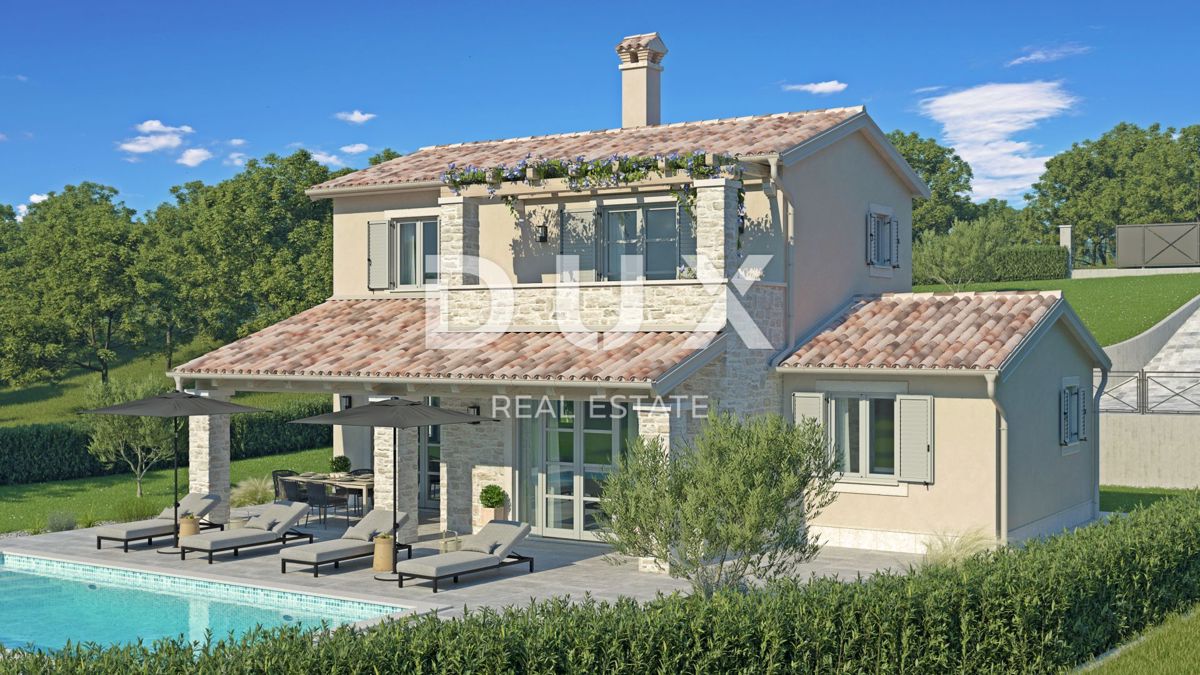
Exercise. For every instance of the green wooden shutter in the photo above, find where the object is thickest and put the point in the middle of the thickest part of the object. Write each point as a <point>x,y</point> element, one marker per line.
<point>914,438</point>
<point>379,255</point>
<point>578,238</point>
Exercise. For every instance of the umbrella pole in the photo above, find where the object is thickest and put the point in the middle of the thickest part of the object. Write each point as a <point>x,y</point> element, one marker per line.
<point>175,489</point>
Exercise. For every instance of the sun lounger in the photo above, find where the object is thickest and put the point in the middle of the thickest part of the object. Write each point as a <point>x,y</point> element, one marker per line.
<point>272,526</point>
<point>161,526</point>
<point>357,542</point>
<point>490,548</point>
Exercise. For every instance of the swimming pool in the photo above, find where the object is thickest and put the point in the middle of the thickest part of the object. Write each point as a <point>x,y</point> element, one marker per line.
<point>44,603</point>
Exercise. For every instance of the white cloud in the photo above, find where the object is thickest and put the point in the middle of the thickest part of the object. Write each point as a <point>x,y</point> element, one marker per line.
<point>327,159</point>
<point>354,148</point>
<point>236,159</point>
<point>157,127</point>
<point>827,87</point>
<point>929,90</point>
<point>155,136</point>
<point>237,142</point>
<point>22,211</point>
<point>980,123</point>
<point>355,117</point>
<point>194,157</point>
<point>36,198</point>
<point>1048,54</point>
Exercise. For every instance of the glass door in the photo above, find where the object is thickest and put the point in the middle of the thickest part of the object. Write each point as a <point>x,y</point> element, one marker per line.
<point>429,459</point>
<point>559,472</point>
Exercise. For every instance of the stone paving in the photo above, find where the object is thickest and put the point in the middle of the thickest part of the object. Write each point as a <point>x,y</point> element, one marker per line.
<point>562,568</point>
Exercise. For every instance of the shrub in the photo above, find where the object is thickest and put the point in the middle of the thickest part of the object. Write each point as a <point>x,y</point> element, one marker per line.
<point>251,491</point>
<point>38,453</point>
<point>952,549</point>
<point>339,464</point>
<point>1025,262</point>
<point>1045,607</point>
<point>60,521</point>
<point>492,497</point>
<point>135,508</point>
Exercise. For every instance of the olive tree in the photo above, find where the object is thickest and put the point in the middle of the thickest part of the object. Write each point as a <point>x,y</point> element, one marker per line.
<point>138,442</point>
<point>731,508</point>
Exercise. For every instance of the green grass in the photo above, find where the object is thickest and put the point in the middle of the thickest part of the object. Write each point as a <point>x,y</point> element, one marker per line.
<point>1121,498</point>
<point>1172,647</point>
<point>1113,308</point>
<point>27,507</point>
<point>59,402</point>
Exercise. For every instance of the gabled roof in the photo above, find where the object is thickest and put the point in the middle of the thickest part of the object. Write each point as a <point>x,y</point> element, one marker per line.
<point>741,136</point>
<point>386,339</point>
<point>935,331</point>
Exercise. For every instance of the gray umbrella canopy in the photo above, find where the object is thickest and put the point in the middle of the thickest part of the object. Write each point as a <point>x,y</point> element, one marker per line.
<point>173,404</point>
<point>397,413</point>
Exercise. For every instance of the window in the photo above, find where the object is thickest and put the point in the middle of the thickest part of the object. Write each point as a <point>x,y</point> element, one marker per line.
<point>883,237</point>
<point>402,253</point>
<point>1072,408</point>
<point>863,434</point>
<point>880,436</point>
<point>652,232</point>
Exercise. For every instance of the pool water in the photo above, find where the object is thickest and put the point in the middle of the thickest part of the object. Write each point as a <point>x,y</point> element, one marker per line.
<point>44,604</point>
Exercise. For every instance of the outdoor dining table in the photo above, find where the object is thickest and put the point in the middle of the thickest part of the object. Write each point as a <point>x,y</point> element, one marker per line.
<point>366,487</point>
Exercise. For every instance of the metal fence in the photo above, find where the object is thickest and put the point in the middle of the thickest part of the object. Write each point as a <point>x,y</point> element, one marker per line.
<point>1160,245</point>
<point>1145,392</point>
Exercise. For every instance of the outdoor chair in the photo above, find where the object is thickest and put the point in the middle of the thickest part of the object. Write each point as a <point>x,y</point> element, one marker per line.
<point>279,484</point>
<point>357,542</point>
<point>162,525</point>
<point>272,526</point>
<point>490,548</point>
<point>293,491</point>
<point>319,498</point>
<point>362,472</point>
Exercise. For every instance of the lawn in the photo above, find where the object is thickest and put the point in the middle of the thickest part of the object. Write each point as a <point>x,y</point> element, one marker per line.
<point>1173,647</point>
<point>1113,308</point>
<point>1122,498</point>
<point>58,402</point>
<point>25,507</point>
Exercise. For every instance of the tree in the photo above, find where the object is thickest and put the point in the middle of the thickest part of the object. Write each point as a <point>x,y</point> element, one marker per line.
<point>732,508</point>
<point>963,255</point>
<point>1129,175</point>
<point>169,303</point>
<point>138,442</point>
<point>948,177</point>
<point>69,295</point>
<point>382,156</point>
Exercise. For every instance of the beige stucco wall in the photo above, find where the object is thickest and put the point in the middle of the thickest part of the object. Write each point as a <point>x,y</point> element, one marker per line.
<point>962,497</point>
<point>1043,477</point>
<point>830,194</point>
<point>350,218</point>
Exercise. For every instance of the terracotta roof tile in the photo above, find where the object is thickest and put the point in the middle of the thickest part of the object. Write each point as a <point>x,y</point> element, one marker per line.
<point>948,331</point>
<point>742,136</point>
<point>386,338</point>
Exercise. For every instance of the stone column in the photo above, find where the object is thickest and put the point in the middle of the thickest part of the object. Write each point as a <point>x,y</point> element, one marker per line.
<point>407,482</point>
<point>208,457</point>
<point>1064,240</point>
<point>458,241</point>
<point>665,424</point>
<point>716,228</point>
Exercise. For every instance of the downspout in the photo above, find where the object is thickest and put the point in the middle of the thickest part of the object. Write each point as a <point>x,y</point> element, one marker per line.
<point>1096,440</point>
<point>1001,461</point>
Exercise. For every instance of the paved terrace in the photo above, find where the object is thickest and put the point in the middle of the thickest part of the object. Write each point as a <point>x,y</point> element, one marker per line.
<point>561,568</point>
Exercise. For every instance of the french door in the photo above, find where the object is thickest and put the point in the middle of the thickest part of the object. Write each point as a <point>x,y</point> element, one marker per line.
<point>566,455</point>
<point>429,461</point>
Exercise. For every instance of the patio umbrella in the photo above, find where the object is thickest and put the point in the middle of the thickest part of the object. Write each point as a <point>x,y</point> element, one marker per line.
<point>174,405</point>
<point>397,413</point>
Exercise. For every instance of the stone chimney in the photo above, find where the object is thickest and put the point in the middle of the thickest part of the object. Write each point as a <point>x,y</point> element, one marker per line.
<point>641,79</point>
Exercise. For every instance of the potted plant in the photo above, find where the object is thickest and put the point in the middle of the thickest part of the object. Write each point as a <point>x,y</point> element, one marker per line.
<point>339,464</point>
<point>494,500</point>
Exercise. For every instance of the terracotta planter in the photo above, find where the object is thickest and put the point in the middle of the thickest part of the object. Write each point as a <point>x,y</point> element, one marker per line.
<point>498,513</point>
<point>385,555</point>
<point>188,527</point>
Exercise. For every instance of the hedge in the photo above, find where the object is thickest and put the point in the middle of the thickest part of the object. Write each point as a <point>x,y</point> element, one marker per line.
<point>1046,607</point>
<point>1027,262</point>
<point>37,453</point>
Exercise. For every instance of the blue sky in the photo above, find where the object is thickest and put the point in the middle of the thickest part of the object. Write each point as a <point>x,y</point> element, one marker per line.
<point>144,96</point>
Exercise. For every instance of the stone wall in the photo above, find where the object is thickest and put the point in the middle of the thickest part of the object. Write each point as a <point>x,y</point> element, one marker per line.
<point>208,459</point>
<point>407,480</point>
<point>473,455</point>
<point>458,240</point>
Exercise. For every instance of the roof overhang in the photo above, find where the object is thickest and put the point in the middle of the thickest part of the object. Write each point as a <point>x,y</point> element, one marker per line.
<point>863,123</point>
<point>1061,311</point>
<point>236,378</point>
<point>364,190</point>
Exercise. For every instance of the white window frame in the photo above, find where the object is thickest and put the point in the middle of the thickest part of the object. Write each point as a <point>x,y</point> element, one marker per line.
<point>640,209</point>
<point>882,240</point>
<point>419,258</point>
<point>863,400</point>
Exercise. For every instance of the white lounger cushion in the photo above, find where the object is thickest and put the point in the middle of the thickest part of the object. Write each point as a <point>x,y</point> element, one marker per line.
<point>194,504</point>
<point>444,564</point>
<point>278,518</point>
<point>497,538</point>
<point>211,541</point>
<point>324,551</point>
<point>375,523</point>
<point>154,527</point>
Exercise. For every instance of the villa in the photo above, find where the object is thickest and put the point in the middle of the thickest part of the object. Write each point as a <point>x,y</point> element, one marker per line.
<point>760,265</point>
